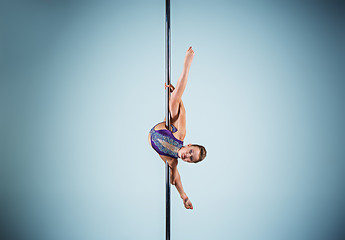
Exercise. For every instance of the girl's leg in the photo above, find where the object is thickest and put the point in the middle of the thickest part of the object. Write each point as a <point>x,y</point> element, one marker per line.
<point>181,84</point>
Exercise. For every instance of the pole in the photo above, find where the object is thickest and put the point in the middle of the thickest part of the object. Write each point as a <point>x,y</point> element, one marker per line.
<point>167,113</point>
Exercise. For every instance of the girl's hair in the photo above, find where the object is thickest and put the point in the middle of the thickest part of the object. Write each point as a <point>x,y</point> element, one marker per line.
<point>202,152</point>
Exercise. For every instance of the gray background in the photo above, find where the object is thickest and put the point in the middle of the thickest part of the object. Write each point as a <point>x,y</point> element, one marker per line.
<point>82,85</point>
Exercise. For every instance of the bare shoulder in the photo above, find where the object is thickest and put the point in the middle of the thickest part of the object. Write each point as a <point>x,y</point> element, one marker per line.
<point>169,159</point>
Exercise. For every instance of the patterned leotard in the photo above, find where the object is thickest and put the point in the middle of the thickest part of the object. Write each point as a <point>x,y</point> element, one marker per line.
<point>164,142</point>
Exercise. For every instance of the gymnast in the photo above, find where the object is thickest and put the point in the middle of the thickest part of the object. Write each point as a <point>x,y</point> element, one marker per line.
<point>169,145</point>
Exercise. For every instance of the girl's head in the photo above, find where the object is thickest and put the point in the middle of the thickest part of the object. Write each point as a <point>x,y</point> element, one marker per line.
<point>192,153</point>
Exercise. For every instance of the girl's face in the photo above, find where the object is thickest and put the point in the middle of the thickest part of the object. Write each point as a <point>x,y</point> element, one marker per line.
<point>189,153</point>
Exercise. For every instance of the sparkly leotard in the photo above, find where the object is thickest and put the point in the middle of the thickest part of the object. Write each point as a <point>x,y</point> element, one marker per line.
<point>164,142</point>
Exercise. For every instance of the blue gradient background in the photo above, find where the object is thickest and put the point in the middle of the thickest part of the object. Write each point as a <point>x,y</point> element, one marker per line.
<point>82,84</point>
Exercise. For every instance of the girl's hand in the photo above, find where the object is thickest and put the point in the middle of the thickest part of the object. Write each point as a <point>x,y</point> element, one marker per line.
<point>187,203</point>
<point>172,88</point>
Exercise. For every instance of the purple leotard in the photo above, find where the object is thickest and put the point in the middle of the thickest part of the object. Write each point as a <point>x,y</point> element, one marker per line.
<point>164,142</point>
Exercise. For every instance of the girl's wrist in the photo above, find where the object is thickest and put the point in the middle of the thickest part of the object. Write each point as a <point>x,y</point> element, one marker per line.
<point>184,196</point>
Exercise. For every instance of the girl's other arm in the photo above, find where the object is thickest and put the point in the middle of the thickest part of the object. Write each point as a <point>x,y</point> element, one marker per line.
<point>178,184</point>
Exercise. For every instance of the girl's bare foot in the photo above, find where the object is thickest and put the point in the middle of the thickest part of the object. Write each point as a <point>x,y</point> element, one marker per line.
<point>189,56</point>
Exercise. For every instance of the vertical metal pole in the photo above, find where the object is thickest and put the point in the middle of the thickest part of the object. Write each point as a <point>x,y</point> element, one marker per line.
<point>167,112</point>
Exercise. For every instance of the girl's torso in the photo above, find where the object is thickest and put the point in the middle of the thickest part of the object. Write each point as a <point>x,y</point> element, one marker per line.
<point>161,126</point>
<point>164,142</point>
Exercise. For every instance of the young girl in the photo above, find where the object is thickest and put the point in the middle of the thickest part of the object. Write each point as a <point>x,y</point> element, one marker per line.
<point>169,145</point>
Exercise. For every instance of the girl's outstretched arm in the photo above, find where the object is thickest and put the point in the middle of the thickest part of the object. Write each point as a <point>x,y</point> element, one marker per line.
<point>178,184</point>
